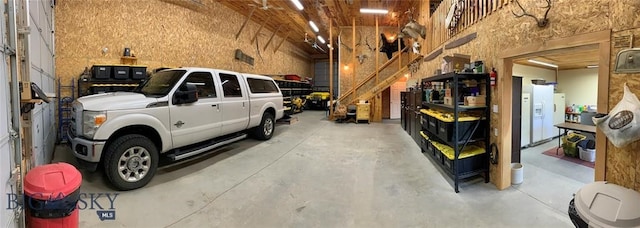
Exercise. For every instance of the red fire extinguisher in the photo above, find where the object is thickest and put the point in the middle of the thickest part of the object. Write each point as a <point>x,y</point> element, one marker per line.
<point>494,77</point>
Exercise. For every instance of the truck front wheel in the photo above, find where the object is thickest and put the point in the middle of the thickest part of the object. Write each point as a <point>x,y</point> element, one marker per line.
<point>130,162</point>
<point>265,130</point>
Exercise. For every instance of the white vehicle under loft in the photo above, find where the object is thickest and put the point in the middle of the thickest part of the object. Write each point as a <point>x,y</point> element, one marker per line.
<point>178,113</point>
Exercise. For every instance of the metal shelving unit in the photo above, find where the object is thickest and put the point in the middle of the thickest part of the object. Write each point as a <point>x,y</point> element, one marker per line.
<point>461,138</point>
<point>65,108</point>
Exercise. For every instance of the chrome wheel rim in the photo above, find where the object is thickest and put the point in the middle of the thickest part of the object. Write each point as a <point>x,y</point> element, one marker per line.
<point>268,127</point>
<point>134,164</point>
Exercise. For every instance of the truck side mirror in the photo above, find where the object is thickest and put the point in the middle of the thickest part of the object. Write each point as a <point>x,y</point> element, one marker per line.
<point>187,93</point>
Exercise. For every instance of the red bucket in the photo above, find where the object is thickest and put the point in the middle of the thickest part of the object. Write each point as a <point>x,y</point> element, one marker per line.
<point>51,196</point>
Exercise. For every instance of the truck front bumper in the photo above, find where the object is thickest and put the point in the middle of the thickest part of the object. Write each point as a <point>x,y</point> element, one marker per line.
<point>87,152</point>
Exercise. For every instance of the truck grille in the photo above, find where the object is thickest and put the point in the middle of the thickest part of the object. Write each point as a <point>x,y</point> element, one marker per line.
<point>76,119</point>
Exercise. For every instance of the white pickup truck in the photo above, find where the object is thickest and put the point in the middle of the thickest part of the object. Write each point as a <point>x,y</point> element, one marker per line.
<point>178,113</point>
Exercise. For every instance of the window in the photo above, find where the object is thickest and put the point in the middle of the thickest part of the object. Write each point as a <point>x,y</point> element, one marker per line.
<point>159,84</point>
<point>262,86</point>
<point>230,85</point>
<point>204,84</point>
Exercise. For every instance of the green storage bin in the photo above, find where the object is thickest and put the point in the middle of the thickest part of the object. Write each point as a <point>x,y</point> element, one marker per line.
<point>570,144</point>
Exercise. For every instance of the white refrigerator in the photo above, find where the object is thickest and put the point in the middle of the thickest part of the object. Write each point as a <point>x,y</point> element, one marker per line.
<point>525,121</point>
<point>542,110</point>
<point>559,105</point>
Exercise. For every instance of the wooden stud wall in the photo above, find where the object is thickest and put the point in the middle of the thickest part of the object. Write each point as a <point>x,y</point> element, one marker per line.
<point>501,31</point>
<point>166,33</point>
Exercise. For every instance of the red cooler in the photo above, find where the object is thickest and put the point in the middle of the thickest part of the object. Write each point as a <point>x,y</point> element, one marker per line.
<point>51,196</point>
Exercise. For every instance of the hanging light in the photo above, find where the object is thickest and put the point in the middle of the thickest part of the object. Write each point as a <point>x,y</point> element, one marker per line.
<point>374,11</point>
<point>297,4</point>
<point>314,26</point>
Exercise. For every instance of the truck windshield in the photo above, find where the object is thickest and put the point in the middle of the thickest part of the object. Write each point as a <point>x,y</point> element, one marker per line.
<point>160,83</point>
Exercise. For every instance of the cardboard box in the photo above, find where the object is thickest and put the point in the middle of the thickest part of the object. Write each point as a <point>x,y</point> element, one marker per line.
<point>456,62</point>
<point>25,91</point>
<point>448,101</point>
<point>474,101</point>
<point>447,93</point>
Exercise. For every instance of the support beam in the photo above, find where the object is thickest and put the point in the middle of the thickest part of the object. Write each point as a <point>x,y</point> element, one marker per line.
<point>258,32</point>
<point>282,41</point>
<point>245,23</point>
<point>330,70</point>
<point>399,52</point>
<point>271,38</point>
<point>377,101</point>
<point>353,56</point>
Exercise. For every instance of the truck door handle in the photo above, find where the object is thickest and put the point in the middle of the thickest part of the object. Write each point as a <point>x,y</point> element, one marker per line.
<point>214,105</point>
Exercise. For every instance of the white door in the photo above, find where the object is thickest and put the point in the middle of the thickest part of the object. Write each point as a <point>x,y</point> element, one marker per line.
<point>185,129</point>
<point>235,103</point>
<point>396,88</point>
<point>525,136</point>
<point>559,104</point>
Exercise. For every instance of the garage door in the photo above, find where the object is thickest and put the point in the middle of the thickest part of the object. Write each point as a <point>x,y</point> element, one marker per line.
<point>41,52</point>
<point>6,153</point>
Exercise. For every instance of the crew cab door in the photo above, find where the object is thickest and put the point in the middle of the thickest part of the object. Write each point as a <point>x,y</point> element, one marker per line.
<point>200,120</point>
<point>235,103</point>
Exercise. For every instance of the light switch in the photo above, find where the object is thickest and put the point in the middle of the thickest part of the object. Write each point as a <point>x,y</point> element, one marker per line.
<point>495,108</point>
<point>495,131</point>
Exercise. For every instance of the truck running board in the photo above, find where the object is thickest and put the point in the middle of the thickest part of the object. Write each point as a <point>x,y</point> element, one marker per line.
<point>178,155</point>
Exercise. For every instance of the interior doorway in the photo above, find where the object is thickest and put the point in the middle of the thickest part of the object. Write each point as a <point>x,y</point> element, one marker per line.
<point>599,43</point>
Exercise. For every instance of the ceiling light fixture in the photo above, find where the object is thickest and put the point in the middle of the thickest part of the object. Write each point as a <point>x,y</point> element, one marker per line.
<point>321,39</point>
<point>376,11</point>
<point>297,4</point>
<point>592,66</point>
<point>314,26</point>
<point>543,63</point>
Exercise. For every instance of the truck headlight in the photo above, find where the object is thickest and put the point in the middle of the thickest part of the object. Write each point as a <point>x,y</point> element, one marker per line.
<point>91,121</point>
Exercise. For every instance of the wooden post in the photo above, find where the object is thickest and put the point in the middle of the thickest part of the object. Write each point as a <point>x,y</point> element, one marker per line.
<point>399,48</point>
<point>353,57</point>
<point>377,101</point>
<point>245,22</point>
<point>330,70</point>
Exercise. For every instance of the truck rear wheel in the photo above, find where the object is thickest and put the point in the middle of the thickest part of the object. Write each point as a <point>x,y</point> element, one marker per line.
<point>130,162</point>
<point>265,130</point>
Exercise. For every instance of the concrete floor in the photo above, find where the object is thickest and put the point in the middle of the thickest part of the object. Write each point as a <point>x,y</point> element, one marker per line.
<point>316,173</point>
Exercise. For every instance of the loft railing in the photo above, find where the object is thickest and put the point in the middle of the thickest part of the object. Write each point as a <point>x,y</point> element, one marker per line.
<point>473,11</point>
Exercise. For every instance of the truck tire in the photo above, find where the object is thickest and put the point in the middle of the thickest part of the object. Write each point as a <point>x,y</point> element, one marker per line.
<point>265,130</point>
<point>130,162</point>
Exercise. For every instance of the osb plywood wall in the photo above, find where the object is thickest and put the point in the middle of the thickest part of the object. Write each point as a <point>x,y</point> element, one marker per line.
<point>164,34</point>
<point>502,31</point>
<point>623,164</point>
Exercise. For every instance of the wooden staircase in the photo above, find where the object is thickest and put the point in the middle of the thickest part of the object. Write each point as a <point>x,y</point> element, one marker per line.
<point>351,96</point>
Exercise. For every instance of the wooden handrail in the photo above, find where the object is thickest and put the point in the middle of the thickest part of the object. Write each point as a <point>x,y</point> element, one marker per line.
<point>371,76</point>
<point>386,82</point>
